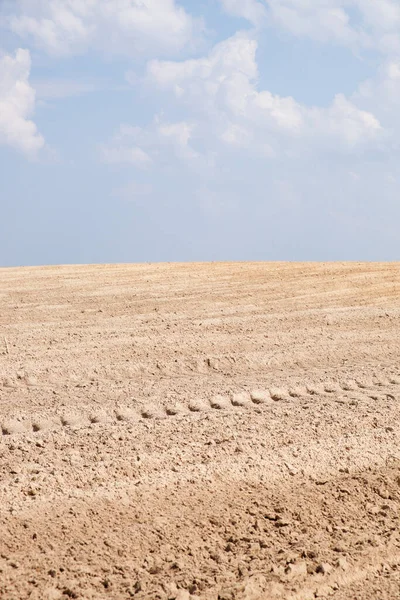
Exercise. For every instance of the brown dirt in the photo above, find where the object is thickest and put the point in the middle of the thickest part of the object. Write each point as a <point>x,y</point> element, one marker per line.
<point>215,431</point>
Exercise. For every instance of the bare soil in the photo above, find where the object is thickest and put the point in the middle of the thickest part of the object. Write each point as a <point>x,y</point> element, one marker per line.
<point>216,431</point>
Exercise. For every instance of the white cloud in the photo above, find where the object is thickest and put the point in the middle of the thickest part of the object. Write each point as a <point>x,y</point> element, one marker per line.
<point>354,23</point>
<point>236,54</point>
<point>236,135</point>
<point>383,15</point>
<point>344,122</point>
<point>221,90</point>
<point>252,10</point>
<point>179,135</point>
<point>382,96</point>
<point>222,78</point>
<point>143,147</point>
<point>382,92</point>
<point>126,154</point>
<point>237,140</point>
<point>322,20</point>
<point>131,27</point>
<point>17,103</point>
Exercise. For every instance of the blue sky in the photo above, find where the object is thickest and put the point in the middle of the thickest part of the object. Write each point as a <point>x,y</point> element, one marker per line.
<point>158,130</point>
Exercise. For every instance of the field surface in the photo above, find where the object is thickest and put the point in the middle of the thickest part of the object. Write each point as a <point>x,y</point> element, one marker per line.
<point>215,431</point>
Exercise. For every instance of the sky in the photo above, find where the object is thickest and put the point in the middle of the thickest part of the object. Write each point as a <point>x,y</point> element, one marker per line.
<point>199,130</point>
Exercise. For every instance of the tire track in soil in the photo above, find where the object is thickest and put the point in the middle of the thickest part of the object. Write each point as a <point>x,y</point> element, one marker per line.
<point>356,390</point>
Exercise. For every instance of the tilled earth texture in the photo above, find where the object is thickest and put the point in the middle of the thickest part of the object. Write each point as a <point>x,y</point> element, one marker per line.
<point>213,431</point>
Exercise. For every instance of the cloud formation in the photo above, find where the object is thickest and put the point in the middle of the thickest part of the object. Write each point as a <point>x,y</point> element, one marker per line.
<point>222,95</point>
<point>17,104</point>
<point>219,149</point>
<point>155,145</point>
<point>252,10</point>
<point>128,27</point>
<point>359,24</point>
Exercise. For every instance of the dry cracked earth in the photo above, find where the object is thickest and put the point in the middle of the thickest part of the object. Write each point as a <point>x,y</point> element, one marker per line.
<point>212,431</point>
